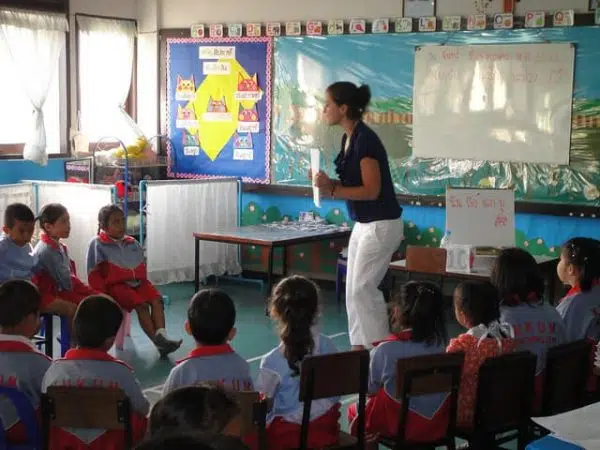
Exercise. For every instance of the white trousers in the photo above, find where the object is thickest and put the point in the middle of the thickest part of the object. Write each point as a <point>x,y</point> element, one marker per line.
<point>369,254</point>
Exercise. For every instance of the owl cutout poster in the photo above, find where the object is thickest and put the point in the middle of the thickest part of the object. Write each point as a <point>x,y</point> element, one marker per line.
<point>243,149</point>
<point>185,89</point>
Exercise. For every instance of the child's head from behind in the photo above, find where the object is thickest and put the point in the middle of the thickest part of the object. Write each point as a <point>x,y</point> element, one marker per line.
<point>191,441</point>
<point>111,220</point>
<point>203,408</point>
<point>96,323</point>
<point>55,221</point>
<point>294,304</point>
<point>579,263</point>
<point>211,317</point>
<point>19,223</point>
<point>517,277</point>
<point>419,306</point>
<point>19,308</point>
<point>476,303</point>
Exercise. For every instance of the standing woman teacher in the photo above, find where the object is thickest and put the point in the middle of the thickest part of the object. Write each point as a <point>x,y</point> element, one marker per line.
<point>365,182</point>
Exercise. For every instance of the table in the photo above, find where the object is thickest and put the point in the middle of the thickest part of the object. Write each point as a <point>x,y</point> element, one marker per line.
<point>547,265</point>
<point>271,236</point>
<point>552,443</point>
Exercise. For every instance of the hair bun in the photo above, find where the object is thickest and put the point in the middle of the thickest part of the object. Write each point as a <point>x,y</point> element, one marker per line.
<point>363,96</point>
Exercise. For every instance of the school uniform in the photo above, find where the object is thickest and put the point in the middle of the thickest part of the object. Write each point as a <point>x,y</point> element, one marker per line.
<point>580,312</point>
<point>16,263</point>
<point>478,344</point>
<point>428,415</point>
<point>95,368</point>
<point>211,364</point>
<point>56,274</point>
<point>21,367</point>
<point>376,235</point>
<point>277,382</point>
<point>118,268</point>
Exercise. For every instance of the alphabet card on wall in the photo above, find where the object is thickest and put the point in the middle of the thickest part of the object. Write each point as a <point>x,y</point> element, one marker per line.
<point>218,107</point>
<point>481,217</point>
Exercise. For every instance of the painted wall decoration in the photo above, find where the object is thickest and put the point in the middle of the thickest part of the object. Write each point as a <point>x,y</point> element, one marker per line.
<point>305,66</point>
<point>219,107</point>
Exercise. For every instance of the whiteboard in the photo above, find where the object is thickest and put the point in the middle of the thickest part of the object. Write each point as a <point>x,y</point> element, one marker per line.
<point>481,217</point>
<point>494,102</point>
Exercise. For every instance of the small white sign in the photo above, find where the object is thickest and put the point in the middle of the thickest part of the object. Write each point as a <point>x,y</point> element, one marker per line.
<point>358,26</point>
<point>503,21</point>
<point>186,123</point>
<point>216,68</point>
<point>248,127</point>
<point>243,154</point>
<point>253,29</point>
<point>451,23</point>
<point>476,22</point>
<point>380,26</point>
<point>564,18</point>
<point>273,29</point>
<point>335,26</point>
<point>214,52</point>
<point>191,151</point>
<point>216,117</point>
<point>293,28</point>
<point>427,24</point>
<point>216,30</point>
<point>459,258</point>
<point>197,30</point>
<point>403,25</point>
<point>234,30</point>
<point>535,19</point>
<point>248,95</point>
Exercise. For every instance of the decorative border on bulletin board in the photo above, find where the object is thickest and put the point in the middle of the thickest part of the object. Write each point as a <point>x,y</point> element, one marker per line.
<point>267,96</point>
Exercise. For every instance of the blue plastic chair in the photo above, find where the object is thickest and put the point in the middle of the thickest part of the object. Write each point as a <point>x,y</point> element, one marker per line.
<point>28,418</point>
<point>47,332</point>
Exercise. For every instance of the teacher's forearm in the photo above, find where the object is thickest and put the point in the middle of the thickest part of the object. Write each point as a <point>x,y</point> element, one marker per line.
<point>357,193</point>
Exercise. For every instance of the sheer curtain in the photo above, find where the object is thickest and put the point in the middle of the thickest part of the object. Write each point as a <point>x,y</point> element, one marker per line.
<point>176,210</point>
<point>15,193</point>
<point>106,50</point>
<point>34,42</point>
<point>83,201</point>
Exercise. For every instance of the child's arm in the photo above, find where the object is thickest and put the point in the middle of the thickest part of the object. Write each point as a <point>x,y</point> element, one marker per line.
<point>375,372</point>
<point>267,383</point>
<point>133,390</point>
<point>95,266</point>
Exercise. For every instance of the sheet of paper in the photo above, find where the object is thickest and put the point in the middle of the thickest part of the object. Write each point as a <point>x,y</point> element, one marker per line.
<point>579,426</point>
<point>315,166</point>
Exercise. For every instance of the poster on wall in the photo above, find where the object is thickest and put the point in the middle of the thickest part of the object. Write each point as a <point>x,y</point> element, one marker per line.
<point>218,108</point>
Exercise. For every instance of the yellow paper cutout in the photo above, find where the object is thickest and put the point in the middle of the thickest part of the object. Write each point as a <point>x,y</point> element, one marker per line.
<point>214,91</point>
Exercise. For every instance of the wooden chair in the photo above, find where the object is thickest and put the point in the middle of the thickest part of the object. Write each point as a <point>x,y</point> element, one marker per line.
<point>423,375</point>
<point>334,375</point>
<point>90,407</point>
<point>504,398</point>
<point>253,415</point>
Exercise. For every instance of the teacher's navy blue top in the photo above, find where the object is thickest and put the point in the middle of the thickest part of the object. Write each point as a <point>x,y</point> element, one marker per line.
<point>364,143</point>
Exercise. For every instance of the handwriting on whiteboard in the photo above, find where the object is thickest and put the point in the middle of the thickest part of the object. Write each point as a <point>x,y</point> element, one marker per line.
<point>472,201</point>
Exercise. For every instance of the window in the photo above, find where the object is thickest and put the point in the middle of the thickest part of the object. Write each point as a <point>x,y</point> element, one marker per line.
<point>106,59</point>
<point>16,109</point>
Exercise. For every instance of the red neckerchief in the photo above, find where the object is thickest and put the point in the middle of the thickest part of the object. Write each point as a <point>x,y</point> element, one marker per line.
<point>92,355</point>
<point>402,336</point>
<point>208,350</point>
<point>51,242</point>
<point>16,347</point>
<point>577,289</point>
<point>106,239</point>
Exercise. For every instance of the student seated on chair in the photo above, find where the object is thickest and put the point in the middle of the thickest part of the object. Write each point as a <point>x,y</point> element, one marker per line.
<point>21,365</point>
<point>96,323</point>
<point>476,308</point>
<point>116,266</point>
<point>16,253</point>
<point>294,305</point>
<point>211,321</point>
<point>191,441</point>
<point>419,329</point>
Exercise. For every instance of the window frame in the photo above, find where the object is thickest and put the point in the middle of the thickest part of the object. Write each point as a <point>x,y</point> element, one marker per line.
<point>131,102</point>
<point>15,150</point>
<point>58,6</point>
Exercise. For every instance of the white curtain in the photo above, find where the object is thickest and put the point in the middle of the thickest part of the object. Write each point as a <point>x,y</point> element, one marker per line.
<point>106,50</point>
<point>176,210</point>
<point>83,201</point>
<point>34,42</point>
<point>15,193</point>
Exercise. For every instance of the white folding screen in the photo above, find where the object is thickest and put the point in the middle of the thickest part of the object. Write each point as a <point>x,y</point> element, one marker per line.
<point>16,193</point>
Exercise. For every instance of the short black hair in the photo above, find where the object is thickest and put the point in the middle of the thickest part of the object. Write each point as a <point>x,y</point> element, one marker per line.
<point>98,318</point>
<point>478,301</point>
<point>211,316</point>
<point>18,299</point>
<point>188,441</point>
<point>354,97</point>
<point>517,277</point>
<point>584,253</point>
<point>205,408</point>
<point>420,306</point>
<point>17,212</point>
<point>104,215</point>
<point>50,213</point>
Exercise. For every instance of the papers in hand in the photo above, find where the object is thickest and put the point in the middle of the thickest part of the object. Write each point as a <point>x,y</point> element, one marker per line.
<point>315,166</point>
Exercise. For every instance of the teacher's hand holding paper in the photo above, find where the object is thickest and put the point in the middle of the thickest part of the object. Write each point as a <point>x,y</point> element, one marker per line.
<point>322,181</point>
<point>315,163</point>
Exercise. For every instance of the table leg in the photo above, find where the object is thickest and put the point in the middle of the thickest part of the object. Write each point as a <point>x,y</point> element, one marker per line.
<point>269,278</point>
<point>284,261</point>
<point>196,264</point>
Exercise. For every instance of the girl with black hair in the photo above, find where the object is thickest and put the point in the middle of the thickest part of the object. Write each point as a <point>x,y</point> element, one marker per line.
<point>294,305</point>
<point>116,266</point>
<point>365,182</point>
<point>55,273</point>
<point>418,329</point>
<point>579,268</point>
<point>476,309</point>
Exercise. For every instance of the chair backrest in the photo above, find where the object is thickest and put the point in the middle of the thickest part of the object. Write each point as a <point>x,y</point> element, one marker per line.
<point>333,375</point>
<point>505,392</point>
<point>567,370</point>
<point>426,260</point>
<point>87,407</point>
<point>428,374</point>
<point>253,415</point>
<point>26,413</point>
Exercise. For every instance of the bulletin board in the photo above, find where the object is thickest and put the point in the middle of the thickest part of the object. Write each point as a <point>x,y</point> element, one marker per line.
<point>219,107</point>
<point>305,66</point>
